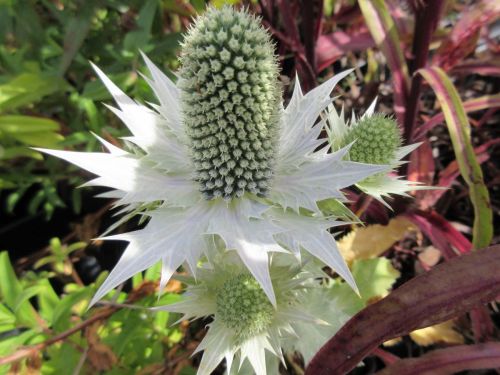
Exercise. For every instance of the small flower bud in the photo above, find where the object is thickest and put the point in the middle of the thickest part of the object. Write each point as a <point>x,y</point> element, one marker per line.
<point>376,139</point>
<point>243,306</point>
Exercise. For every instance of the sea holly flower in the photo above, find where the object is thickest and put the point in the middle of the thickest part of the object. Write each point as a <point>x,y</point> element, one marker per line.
<point>219,156</point>
<point>375,139</point>
<point>245,324</point>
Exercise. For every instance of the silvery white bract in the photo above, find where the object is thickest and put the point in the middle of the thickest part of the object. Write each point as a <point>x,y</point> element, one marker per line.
<point>176,178</point>
<point>380,185</point>
<point>245,325</point>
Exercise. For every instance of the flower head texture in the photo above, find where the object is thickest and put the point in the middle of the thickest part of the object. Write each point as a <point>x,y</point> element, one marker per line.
<point>221,158</point>
<point>375,139</point>
<point>245,325</point>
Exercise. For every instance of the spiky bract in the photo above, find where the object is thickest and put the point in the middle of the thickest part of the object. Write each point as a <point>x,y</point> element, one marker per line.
<point>230,101</point>
<point>160,177</point>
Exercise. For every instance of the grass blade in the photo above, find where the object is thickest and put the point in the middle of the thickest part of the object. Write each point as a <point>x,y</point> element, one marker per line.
<point>472,105</point>
<point>386,36</point>
<point>459,129</point>
<point>331,47</point>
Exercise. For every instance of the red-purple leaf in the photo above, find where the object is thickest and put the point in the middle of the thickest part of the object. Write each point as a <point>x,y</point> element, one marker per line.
<point>449,289</point>
<point>441,233</point>
<point>384,32</point>
<point>422,166</point>
<point>331,47</point>
<point>482,325</point>
<point>427,16</point>
<point>449,361</point>
<point>463,37</point>
<point>472,105</point>
<point>478,67</point>
<point>459,129</point>
<point>429,198</point>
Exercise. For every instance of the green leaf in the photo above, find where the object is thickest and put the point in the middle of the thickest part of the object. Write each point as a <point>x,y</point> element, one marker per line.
<point>33,131</point>
<point>27,124</point>
<point>374,277</point>
<point>11,343</point>
<point>10,288</point>
<point>137,280</point>
<point>28,88</point>
<point>25,295</point>
<point>221,3</point>
<point>189,370</point>
<point>47,300</point>
<point>14,197</point>
<point>7,318</point>
<point>61,358</point>
<point>333,207</point>
<point>17,152</point>
<point>76,201</point>
<point>77,29</point>
<point>137,39</point>
<point>96,91</point>
<point>63,311</point>
<point>39,139</point>
<point>459,129</point>
<point>153,273</point>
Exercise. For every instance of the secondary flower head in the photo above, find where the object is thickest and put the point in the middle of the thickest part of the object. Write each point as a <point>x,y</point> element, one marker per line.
<point>219,156</point>
<point>375,139</point>
<point>245,324</point>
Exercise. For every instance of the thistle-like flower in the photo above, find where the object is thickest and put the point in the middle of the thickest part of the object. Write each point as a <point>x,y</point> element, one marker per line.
<point>245,325</point>
<point>375,139</point>
<point>219,156</point>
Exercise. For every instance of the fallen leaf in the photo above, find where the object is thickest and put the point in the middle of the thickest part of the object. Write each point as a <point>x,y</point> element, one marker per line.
<point>372,240</point>
<point>442,333</point>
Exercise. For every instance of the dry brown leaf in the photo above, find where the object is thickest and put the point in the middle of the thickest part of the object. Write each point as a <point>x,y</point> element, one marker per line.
<point>372,240</point>
<point>100,356</point>
<point>443,333</point>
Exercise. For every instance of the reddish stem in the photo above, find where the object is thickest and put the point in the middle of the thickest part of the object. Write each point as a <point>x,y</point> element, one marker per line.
<point>426,20</point>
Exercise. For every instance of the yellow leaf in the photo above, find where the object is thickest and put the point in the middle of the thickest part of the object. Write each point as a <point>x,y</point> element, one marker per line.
<point>372,240</point>
<point>440,333</point>
<point>443,333</point>
<point>392,342</point>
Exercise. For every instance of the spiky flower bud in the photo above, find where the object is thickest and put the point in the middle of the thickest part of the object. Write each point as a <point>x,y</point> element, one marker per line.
<point>230,102</point>
<point>243,306</point>
<point>376,139</point>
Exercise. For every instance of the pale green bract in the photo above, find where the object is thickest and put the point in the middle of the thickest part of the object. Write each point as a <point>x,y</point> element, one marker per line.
<point>232,333</point>
<point>252,336</point>
<point>166,184</point>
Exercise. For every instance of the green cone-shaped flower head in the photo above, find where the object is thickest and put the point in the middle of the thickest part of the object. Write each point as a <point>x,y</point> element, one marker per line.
<point>230,102</point>
<point>243,306</point>
<point>377,139</point>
